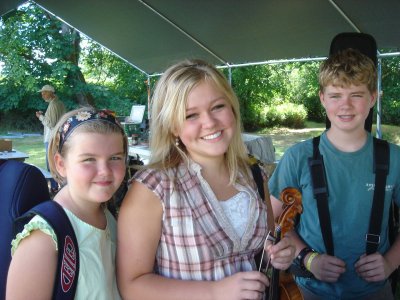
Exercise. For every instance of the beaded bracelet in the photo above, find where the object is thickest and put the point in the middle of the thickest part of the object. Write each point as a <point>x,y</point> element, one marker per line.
<point>310,259</point>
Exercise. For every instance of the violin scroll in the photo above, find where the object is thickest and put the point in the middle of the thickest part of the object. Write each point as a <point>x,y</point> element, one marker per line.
<point>291,198</point>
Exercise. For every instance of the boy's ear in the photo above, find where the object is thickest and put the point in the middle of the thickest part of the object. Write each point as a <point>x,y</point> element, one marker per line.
<point>374,98</point>
<point>59,163</point>
<point>321,98</point>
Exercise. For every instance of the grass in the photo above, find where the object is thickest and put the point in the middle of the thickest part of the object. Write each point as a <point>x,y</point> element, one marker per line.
<point>34,147</point>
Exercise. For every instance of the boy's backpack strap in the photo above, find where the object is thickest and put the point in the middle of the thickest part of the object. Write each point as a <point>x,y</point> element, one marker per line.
<point>320,191</point>
<point>68,252</point>
<point>381,169</point>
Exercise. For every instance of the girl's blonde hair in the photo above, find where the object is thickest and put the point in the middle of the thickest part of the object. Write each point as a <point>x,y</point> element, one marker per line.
<point>348,67</point>
<point>168,113</point>
<point>81,120</point>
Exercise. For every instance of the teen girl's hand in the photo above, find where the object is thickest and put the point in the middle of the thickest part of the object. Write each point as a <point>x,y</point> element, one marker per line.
<point>373,267</point>
<point>282,254</point>
<point>327,268</point>
<point>242,285</point>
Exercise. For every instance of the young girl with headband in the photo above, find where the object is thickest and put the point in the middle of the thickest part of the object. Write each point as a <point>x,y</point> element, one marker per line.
<point>88,151</point>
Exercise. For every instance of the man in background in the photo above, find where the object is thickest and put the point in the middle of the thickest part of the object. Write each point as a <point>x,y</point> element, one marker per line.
<point>49,119</point>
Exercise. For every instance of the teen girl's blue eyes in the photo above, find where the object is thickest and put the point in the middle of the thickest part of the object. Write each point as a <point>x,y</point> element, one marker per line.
<point>219,106</point>
<point>191,116</point>
<point>216,107</point>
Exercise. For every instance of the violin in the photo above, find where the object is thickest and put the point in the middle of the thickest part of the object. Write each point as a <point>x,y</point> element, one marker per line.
<point>282,285</point>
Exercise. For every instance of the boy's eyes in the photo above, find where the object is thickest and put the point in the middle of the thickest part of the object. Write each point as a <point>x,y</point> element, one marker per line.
<point>88,159</point>
<point>338,97</point>
<point>116,158</point>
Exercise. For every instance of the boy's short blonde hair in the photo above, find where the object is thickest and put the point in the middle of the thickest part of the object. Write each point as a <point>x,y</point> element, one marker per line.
<point>348,67</point>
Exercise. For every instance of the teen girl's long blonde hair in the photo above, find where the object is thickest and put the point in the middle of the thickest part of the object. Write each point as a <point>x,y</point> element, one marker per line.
<point>168,112</point>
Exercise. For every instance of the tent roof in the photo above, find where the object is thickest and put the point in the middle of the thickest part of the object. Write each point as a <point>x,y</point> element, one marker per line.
<point>152,34</point>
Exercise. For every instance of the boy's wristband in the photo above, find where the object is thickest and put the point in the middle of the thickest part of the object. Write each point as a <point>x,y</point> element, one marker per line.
<point>310,259</point>
<point>302,254</point>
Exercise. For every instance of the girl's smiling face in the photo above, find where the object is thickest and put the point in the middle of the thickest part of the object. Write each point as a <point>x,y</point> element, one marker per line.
<point>94,166</point>
<point>209,125</point>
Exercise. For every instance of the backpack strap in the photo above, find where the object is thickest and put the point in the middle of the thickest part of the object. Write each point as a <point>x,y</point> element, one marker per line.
<point>263,190</point>
<point>256,171</point>
<point>381,169</point>
<point>68,252</point>
<point>320,191</point>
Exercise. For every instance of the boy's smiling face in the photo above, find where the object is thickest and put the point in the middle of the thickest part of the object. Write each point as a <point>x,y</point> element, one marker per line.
<point>347,107</point>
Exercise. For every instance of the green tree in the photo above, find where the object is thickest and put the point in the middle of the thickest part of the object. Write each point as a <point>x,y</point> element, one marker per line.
<point>391,90</point>
<point>44,50</point>
<point>37,48</point>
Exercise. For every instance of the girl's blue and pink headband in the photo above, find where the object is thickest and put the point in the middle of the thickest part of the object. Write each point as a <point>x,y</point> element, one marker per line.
<point>83,117</point>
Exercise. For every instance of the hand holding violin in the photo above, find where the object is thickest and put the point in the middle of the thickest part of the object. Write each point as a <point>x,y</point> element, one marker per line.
<point>282,254</point>
<point>242,285</point>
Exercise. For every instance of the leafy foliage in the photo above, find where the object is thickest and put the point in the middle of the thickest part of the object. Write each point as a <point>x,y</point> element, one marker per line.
<point>44,50</point>
<point>286,114</point>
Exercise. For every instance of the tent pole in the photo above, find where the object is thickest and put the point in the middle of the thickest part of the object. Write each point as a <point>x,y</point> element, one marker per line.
<point>148,96</point>
<point>379,104</point>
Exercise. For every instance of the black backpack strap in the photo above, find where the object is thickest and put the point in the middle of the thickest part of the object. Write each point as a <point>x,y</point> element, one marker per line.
<point>256,171</point>
<point>320,191</point>
<point>381,169</point>
<point>68,252</point>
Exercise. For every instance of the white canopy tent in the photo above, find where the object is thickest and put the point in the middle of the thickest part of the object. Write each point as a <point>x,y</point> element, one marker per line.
<point>152,34</point>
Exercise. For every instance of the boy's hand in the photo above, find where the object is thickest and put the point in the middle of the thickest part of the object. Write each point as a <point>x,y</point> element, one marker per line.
<point>373,267</point>
<point>327,268</point>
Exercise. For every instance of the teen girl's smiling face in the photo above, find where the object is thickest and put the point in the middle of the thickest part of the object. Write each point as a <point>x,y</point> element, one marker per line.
<point>347,107</point>
<point>209,125</point>
<point>94,166</point>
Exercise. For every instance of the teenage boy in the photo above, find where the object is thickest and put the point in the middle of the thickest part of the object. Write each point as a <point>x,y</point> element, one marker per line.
<point>348,89</point>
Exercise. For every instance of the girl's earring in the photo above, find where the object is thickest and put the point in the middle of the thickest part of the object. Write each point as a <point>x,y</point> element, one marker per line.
<point>177,141</point>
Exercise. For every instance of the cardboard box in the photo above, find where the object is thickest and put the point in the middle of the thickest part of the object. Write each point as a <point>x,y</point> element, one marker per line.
<point>5,145</point>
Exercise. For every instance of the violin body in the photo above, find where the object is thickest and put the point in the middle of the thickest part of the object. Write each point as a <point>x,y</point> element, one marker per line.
<point>288,289</point>
<point>282,284</point>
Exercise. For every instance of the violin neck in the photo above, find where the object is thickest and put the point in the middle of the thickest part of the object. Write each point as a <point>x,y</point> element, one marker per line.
<point>273,292</point>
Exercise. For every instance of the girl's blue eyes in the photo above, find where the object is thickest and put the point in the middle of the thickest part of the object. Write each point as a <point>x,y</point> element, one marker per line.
<point>89,159</point>
<point>191,116</point>
<point>214,108</point>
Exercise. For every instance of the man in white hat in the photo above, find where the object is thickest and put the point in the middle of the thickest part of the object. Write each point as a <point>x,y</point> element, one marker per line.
<point>50,118</point>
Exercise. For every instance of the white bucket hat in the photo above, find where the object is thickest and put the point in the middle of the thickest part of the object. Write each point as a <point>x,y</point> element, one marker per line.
<point>47,88</point>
